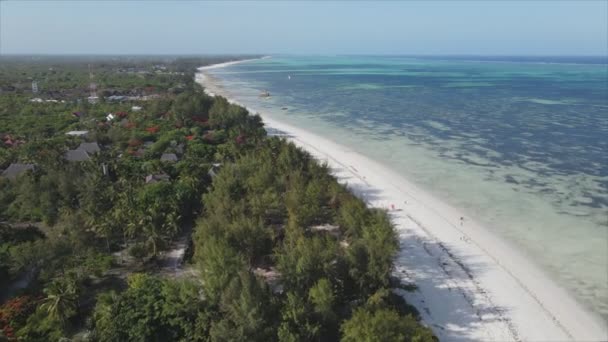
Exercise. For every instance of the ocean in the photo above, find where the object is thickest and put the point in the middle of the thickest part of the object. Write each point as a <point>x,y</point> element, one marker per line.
<point>518,143</point>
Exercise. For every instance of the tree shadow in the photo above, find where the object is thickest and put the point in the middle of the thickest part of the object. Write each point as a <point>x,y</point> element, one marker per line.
<point>274,132</point>
<point>365,192</point>
<point>336,173</point>
<point>447,293</point>
<point>360,188</point>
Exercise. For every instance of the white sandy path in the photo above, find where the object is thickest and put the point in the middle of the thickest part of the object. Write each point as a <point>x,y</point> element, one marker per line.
<point>471,285</point>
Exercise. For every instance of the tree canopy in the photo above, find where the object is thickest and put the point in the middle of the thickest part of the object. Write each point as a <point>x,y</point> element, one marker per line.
<point>280,250</point>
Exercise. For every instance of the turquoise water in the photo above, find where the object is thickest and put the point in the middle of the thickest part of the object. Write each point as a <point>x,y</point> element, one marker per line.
<point>519,144</point>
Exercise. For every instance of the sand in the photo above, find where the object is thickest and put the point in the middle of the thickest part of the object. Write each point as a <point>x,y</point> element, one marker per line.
<point>470,284</point>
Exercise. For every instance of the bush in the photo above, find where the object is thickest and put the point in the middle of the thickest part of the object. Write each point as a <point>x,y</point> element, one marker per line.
<point>139,251</point>
<point>384,325</point>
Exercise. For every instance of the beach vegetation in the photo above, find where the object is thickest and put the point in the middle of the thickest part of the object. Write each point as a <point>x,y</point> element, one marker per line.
<point>277,249</point>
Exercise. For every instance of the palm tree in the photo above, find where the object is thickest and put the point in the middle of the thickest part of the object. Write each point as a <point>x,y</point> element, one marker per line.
<point>158,225</point>
<point>96,202</point>
<point>150,228</point>
<point>103,227</point>
<point>61,299</point>
<point>124,214</point>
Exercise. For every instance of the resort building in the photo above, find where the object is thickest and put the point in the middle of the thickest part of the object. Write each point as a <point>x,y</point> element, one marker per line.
<point>150,179</point>
<point>77,133</point>
<point>15,169</point>
<point>90,148</point>
<point>169,157</point>
<point>77,155</point>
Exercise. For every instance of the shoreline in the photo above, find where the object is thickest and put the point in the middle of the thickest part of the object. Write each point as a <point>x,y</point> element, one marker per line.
<point>470,284</point>
<point>225,64</point>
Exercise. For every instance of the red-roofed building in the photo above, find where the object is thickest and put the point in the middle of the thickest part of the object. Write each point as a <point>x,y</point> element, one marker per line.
<point>153,129</point>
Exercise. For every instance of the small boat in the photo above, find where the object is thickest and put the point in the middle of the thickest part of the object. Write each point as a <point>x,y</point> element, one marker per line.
<point>284,108</point>
<point>265,94</point>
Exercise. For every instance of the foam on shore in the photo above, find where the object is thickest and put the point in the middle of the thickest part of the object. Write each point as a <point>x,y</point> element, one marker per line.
<point>470,284</point>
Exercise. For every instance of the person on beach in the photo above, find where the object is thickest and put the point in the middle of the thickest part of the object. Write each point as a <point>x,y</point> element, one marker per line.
<point>461,220</point>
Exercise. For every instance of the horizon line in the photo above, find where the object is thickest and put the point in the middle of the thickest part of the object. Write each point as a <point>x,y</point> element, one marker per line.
<point>298,54</point>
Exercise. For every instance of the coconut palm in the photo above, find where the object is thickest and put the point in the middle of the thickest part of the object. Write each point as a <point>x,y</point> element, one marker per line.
<point>61,299</point>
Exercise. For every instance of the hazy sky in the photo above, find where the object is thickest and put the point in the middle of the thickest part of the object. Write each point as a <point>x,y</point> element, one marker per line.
<point>408,27</point>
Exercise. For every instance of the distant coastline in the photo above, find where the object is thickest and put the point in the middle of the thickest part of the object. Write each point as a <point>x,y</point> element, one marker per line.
<point>225,64</point>
<point>538,308</point>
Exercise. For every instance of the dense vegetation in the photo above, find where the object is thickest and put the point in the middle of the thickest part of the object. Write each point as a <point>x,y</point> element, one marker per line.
<point>280,250</point>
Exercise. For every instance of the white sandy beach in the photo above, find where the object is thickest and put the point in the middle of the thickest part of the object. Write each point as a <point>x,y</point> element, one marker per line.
<point>471,285</point>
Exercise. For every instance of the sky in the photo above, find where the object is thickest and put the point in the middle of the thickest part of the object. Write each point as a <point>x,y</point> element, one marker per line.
<point>311,27</point>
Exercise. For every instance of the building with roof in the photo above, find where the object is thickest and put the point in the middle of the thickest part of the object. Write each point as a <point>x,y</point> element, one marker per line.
<point>140,152</point>
<point>170,157</point>
<point>15,169</point>
<point>77,133</point>
<point>77,155</point>
<point>90,148</point>
<point>156,178</point>
<point>116,98</point>
<point>179,149</point>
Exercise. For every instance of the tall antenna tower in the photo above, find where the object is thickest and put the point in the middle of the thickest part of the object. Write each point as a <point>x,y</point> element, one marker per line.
<point>34,87</point>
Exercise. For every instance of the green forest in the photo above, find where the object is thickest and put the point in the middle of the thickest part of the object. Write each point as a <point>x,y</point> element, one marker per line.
<point>135,207</point>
